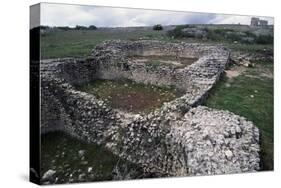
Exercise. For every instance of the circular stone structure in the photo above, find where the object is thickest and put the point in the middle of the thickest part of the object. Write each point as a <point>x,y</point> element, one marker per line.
<point>180,138</point>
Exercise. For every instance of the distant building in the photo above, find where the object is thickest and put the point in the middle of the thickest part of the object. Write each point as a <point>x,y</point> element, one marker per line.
<point>255,21</point>
<point>258,22</point>
<point>263,22</point>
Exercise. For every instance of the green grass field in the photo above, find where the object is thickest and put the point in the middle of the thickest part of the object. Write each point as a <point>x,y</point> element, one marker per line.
<point>250,95</point>
<point>79,43</point>
<point>60,152</point>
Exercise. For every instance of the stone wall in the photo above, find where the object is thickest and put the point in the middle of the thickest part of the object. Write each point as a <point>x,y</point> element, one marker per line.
<point>115,62</point>
<point>180,138</point>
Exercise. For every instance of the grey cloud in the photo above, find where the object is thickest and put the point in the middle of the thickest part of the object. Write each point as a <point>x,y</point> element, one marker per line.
<point>71,15</point>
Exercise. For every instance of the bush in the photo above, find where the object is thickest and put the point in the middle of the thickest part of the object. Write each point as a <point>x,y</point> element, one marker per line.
<point>79,27</point>
<point>64,28</point>
<point>177,31</point>
<point>44,27</point>
<point>233,36</point>
<point>215,35</point>
<point>157,27</point>
<point>250,34</point>
<point>220,34</point>
<point>264,39</point>
<point>92,27</point>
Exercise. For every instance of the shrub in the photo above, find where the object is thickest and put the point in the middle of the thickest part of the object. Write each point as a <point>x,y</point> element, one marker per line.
<point>264,39</point>
<point>79,27</point>
<point>92,27</point>
<point>250,34</point>
<point>44,27</point>
<point>214,35</point>
<point>64,28</point>
<point>177,31</point>
<point>157,27</point>
<point>233,36</point>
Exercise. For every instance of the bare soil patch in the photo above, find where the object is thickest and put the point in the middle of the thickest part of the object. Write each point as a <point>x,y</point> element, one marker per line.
<point>131,96</point>
<point>235,71</point>
<point>178,62</point>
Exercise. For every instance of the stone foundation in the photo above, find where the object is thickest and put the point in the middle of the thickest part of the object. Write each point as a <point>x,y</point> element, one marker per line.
<point>181,138</point>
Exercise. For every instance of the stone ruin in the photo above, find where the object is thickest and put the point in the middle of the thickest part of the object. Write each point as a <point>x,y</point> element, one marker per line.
<point>258,22</point>
<point>180,138</point>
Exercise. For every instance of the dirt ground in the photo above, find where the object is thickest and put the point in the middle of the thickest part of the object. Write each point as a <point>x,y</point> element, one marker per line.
<point>131,96</point>
<point>178,62</point>
<point>235,71</point>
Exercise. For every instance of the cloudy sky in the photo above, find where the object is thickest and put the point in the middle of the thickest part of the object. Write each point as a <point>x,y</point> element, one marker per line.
<point>72,15</point>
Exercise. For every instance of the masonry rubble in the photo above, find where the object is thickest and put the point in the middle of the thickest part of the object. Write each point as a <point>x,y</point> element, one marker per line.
<point>180,138</point>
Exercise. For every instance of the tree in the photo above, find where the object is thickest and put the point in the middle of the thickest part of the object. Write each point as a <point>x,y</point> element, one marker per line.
<point>79,27</point>
<point>92,27</point>
<point>158,27</point>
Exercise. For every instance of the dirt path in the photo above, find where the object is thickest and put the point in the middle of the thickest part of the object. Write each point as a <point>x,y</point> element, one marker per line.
<point>235,71</point>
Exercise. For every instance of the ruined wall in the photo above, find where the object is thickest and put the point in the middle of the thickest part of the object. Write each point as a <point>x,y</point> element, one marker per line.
<point>115,62</point>
<point>129,136</point>
<point>176,139</point>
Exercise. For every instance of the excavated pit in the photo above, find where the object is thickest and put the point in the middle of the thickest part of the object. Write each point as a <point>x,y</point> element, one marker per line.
<point>130,96</point>
<point>139,81</point>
